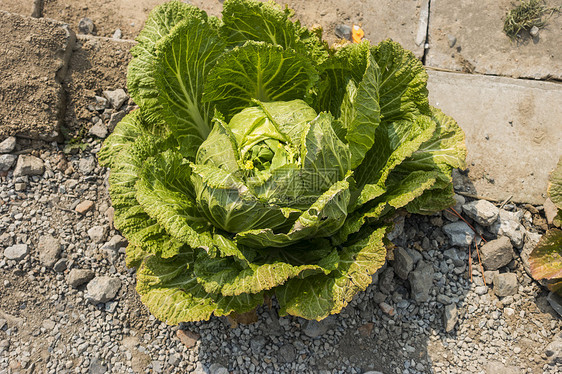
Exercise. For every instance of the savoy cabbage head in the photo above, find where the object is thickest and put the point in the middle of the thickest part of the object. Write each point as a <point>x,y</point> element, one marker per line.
<point>260,162</point>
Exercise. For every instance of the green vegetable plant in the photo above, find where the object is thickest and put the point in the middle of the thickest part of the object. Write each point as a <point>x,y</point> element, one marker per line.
<point>262,163</point>
<point>546,258</point>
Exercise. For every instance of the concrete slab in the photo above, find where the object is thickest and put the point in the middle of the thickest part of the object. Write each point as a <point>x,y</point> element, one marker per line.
<point>481,45</point>
<point>403,21</point>
<point>34,54</point>
<point>513,131</point>
<point>97,64</point>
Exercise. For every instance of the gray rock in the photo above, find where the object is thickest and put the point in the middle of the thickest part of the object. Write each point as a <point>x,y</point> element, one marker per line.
<point>60,265</point>
<point>217,369</point>
<point>414,254</point>
<point>116,98</point>
<point>101,103</point>
<point>287,353</point>
<point>87,165</point>
<point>403,263</point>
<point>489,276</point>
<point>97,366</point>
<point>534,32</point>
<point>421,281</point>
<point>505,284</point>
<point>343,32</point>
<point>497,253</point>
<point>373,372</point>
<point>460,200</point>
<point>555,302</point>
<point>481,290</point>
<point>86,26</point>
<point>115,243</point>
<point>99,130</point>
<point>8,145</point>
<point>7,161</point>
<point>49,250</point>
<point>450,317</point>
<point>118,34</point>
<point>156,366</point>
<point>314,329</point>
<point>531,241</point>
<point>482,211</point>
<point>98,233</point>
<point>496,367</point>
<point>20,186</point>
<point>78,277</point>
<point>454,255</point>
<point>103,289</point>
<point>29,165</point>
<point>257,343</point>
<point>386,281</point>
<point>509,224</point>
<point>16,252</point>
<point>554,350</point>
<point>459,233</point>
<point>115,119</point>
<point>452,40</point>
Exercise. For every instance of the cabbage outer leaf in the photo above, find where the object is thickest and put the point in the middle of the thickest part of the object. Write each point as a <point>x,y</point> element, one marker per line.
<point>317,296</point>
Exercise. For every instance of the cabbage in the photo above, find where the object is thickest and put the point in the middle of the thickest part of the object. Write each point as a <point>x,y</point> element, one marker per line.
<point>262,163</point>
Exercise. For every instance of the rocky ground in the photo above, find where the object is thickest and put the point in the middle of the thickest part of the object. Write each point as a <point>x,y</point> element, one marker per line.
<point>68,303</point>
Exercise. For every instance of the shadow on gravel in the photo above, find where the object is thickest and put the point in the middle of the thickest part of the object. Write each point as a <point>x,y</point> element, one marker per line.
<point>425,312</point>
<point>387,328</point>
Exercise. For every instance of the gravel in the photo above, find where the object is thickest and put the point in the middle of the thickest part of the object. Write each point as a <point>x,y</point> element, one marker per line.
<point>85,316</point>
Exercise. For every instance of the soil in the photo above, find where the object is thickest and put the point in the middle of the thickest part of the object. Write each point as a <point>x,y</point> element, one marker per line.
<point>30,82</point>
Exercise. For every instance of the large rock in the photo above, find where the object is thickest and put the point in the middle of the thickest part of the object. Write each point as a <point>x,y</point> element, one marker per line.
<point>505,284</point>
<point>482,46</point>
<point>34,55</point>
<point>512,127</point>
<point>98,233</point>
<point>421,281</point>
<point>116,97</point>
<point>49,250</point>
<point>450,317</point>
<point>78,277</point>
<point>16,252</point>
<point>509,224</point>
<point>7,161</point>
<point>403,263</point>
<point>459,233</point>
<point>29,165</point>
<point>103,289</point>
<point>497,253</point>
<point>482,211</point>
<point>8,145</point>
